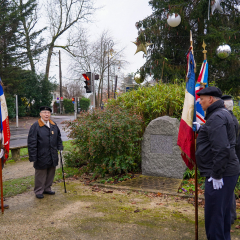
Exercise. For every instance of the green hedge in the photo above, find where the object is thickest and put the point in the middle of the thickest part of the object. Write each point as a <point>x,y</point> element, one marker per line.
<point>68,105</point>
<point>153,102</point>
<point>84,104</point>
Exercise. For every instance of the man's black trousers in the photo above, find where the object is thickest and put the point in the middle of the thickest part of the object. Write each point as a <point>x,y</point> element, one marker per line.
<point>218,209</point>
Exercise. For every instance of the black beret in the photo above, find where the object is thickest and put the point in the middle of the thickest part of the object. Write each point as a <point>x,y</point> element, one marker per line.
<point>210,91</point>
<point>226,97</point>
<point>45,108</point>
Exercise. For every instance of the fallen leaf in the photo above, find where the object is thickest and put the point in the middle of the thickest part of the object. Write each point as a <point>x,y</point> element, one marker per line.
<point>109,191</point>
<point>137,211</point>
<point>159,194</point>
<point>159,203</point>
<point>133,202</point>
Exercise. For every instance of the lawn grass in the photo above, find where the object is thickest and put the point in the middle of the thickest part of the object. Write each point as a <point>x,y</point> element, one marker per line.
<point>68,145</point>
<point>16,186</point>
<point>69,172</point>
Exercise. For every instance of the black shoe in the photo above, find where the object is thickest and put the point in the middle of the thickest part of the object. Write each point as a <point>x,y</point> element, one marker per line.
<point>5,206</point>
<point>39,196</point>
<point>49,192</point>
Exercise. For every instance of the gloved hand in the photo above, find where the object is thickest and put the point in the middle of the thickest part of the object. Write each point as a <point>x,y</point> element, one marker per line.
<point>1,153</point>
<point>217,183</point>
<point>197,125</point>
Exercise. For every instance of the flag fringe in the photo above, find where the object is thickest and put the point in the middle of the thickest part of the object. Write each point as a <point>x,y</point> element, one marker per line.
<point>191,163</point>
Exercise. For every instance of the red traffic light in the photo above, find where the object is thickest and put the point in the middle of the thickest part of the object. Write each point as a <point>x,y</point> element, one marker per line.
<point>85,76</point>
<point>73,99</point>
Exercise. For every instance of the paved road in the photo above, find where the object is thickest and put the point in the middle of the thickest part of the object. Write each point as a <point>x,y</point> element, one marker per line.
<point>19,135</point>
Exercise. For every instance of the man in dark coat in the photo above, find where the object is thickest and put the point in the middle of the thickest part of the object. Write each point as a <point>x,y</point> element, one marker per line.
<point>217,161</point>
<point>44,141</point>
<point>228,103</point>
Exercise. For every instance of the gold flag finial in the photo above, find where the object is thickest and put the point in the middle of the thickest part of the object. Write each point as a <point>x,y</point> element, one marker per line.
<point>204,50</point>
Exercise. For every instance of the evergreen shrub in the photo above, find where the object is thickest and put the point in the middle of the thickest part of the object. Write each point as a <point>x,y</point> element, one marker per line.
<point>153,102</point>
<point>11,106</point>
<point>107,141</point>
<point>236,112</point>
<point>84,103</point>
<point>68,106</point>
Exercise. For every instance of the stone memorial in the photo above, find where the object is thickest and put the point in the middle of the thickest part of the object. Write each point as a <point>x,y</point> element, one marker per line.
<point>161,155</point>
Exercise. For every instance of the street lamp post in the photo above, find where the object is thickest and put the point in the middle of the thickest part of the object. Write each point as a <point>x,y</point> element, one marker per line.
<point>109,44</point>
<point>60,79</point>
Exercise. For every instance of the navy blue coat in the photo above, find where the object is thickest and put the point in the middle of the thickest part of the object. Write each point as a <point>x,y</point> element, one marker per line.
<point>43,144</point>
<point>215,151</point>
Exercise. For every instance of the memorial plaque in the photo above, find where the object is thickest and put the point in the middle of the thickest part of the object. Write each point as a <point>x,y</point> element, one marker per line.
<point>161,144</point>
<point>160,154</point>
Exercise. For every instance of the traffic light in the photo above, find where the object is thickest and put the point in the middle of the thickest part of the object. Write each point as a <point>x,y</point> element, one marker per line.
<point>88,81</point>
<point>73,100</point>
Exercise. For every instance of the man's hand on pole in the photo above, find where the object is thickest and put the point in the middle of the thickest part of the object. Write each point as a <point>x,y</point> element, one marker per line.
<point>197,125</point>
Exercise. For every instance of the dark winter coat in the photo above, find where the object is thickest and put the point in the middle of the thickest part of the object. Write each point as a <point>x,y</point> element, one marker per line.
<point>43,144</point>
<point>235,125</point>
<point>237,128</point>
<point>215,151</point>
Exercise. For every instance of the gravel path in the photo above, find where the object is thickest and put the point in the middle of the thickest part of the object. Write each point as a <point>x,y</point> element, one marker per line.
<point>92,213</point>
<point>17,170</point>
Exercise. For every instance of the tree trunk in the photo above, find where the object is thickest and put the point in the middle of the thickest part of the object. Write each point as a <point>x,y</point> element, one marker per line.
<point>28,45</point>
<point>99,88</point>
<point>50,51</point>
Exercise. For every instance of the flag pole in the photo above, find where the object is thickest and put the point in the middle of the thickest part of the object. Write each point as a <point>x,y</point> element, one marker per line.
<point>196,194</point>
<point>196,176</point>
<point>1,186</point>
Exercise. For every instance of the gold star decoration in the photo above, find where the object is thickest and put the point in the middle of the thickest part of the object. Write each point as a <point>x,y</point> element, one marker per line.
<point>142,47</point>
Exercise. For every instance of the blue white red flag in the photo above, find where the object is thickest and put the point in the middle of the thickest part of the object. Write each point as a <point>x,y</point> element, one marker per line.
<point>186,140</point>
<point>5,129</point>
<point>202,82</point>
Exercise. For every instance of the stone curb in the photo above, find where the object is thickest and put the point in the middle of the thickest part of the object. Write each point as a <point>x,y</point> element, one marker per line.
<point>144,190</point>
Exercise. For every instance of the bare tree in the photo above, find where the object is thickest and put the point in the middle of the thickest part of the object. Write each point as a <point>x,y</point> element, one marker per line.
<point>97,57</point>
<point>30,40</point>
<point>63,15</point>
<point>74,89</point>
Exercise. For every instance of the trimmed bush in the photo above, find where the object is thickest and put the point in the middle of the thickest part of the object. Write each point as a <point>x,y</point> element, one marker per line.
<point>236,112</point>
<point>153,102</point>
<point>68,105</point>
<point>108,141</point>
<point>11,107</point>
<point>84,103</point>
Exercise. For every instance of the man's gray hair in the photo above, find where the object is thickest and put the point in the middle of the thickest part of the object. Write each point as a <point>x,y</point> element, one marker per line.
<point>228,104</point>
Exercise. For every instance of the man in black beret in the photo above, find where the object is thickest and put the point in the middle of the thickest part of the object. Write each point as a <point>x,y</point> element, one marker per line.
<point>228,103</point>
<point>217,161</point>
<point>44,141</point>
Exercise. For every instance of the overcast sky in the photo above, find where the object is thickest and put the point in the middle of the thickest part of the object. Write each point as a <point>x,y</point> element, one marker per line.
<point>119,18</point>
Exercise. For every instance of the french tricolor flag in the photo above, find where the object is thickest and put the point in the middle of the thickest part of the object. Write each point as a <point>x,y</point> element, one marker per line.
<point>186,140</point>
<point>5,129</point>
<point>202,82</point>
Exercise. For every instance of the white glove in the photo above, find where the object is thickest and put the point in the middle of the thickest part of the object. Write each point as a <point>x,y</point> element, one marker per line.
<point>197,125</point>
<point>217,183</point>
<point>1,153</point>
